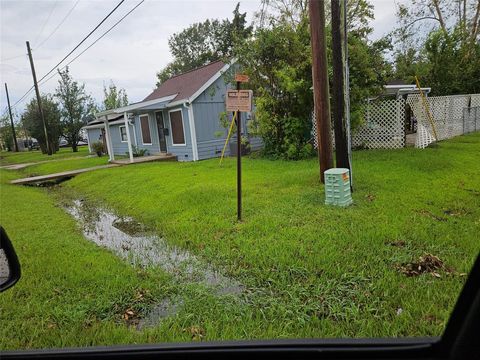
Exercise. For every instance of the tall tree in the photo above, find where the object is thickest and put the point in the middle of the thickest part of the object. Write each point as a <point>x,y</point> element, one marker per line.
<point>6,135</point>
<point>278,59</point>
<point>204,42</point>
<point>75,105</point>
<point>113,97</point>
<point>34,125</point>
<point>438,41</point>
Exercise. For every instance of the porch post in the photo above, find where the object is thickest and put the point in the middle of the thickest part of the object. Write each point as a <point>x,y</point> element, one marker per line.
<point>111,156</point>
<point>129,140</point>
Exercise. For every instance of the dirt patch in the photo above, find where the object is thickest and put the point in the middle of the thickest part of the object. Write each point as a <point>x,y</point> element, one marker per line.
<point>431,215</point>
<point>427,263</point>
<point>455,212</point>
<point>396,243</point>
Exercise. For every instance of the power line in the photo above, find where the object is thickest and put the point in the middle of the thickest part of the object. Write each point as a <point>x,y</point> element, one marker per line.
<point>81,53</point>
<point>100,37</point>
<point>46,21</point>
<point>58,26</point>
<point>81,42</point>
<point>13,57</point>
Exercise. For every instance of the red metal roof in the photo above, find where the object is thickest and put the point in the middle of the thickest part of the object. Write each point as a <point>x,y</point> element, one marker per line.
<point>186,84</point>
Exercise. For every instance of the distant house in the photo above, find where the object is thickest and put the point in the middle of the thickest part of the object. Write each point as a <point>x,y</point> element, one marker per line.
<point>180,117</point>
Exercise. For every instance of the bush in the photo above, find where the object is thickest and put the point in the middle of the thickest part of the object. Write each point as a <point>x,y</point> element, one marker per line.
<point>97,148</point>
<point>137,152</point>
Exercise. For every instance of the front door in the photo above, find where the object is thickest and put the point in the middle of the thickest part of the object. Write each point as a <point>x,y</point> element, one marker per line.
<point>161,133</point>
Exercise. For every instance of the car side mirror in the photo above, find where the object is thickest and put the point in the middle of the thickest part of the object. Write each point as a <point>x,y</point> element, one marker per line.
<point>9,265</point>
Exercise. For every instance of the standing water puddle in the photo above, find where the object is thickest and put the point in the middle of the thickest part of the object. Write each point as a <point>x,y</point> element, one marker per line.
<point>130,241</point>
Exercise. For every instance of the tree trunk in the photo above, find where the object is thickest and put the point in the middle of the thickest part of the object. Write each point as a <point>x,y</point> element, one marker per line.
<point>74,146</point>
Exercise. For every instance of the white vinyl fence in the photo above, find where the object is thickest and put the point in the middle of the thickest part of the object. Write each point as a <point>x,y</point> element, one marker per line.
<point>384,121</point>
<point>443,117</point>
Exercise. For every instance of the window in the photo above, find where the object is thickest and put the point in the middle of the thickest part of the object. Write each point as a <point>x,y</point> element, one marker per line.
<point>123,133</point>
<point>176,123</point>
<point>145,126</point>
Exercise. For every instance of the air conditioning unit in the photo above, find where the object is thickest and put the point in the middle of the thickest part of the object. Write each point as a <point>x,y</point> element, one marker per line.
<point>337,187</point>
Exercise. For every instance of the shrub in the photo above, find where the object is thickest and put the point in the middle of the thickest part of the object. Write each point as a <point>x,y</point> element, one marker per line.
<point>137,152</point>
<point>97,148</point>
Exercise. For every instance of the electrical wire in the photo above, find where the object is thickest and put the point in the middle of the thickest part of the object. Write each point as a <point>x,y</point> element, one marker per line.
<point>46,21</point>
<point>58,26</point>
<point>81,53</point>
<point>83,40</point>
<point>93,43</point>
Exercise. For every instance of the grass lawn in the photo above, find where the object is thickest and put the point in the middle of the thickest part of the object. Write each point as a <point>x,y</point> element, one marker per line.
<point>66,164</point>
<point>7,158</point>
<point>314,270</point>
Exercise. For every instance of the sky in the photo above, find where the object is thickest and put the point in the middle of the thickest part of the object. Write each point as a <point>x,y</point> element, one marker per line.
<point>130,55</point>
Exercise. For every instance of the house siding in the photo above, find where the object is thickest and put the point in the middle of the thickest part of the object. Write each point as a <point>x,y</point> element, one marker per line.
<point>206,111</point>
<point>119,147</point>
<point>93,135</point>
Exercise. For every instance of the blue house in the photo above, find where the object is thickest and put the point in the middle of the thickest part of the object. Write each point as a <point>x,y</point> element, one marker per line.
<point>180,117</point>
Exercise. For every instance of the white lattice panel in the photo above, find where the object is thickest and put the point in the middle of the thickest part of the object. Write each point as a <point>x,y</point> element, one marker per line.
<point>383,127</point>
<point>475,100</point>
<point>471,119</point>
<point>384,121</point>
<point>447,117</point>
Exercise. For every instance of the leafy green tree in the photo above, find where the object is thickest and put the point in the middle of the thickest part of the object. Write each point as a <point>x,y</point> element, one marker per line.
<point>278,60</point>
<point>205,42</point>
<point>32,122</point>
<point>6,136</point>
<point>113,97</point>
<point>453,65</point>
<point>438,41</point>
<point>76,106</point>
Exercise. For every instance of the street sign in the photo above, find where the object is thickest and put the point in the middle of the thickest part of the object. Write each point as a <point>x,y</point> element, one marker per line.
<point>241,78</point>
<point>239,100</point>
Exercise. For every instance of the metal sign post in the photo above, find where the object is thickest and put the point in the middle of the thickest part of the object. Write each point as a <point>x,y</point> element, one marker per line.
<point>239,160</point>
<point>238,101</point>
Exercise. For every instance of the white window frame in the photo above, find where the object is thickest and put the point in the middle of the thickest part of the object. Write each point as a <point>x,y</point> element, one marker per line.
<point>183,127</point>
<point>120,130</point>
<point>149,128</point>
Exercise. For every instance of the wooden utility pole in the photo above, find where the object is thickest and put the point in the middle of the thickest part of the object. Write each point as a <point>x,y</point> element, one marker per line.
<point>320,85</point>
<point>39,102</point>
<point>15,144</point>
<point>339,86</point>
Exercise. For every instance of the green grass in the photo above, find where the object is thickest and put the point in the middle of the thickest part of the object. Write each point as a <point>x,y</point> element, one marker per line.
<point>63,165</point>
<point>315,270</point>
<point>7,158</point>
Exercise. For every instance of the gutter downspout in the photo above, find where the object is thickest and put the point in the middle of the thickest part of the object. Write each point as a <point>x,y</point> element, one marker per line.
<point>129,139</point>
<point>193,133</point>
<point>111,156</point>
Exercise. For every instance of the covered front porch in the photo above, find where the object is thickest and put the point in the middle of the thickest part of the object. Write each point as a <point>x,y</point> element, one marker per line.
<point>121,131</point>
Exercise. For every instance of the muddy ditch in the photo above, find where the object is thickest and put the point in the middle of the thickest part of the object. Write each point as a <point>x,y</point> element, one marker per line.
<point>134,243</point>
